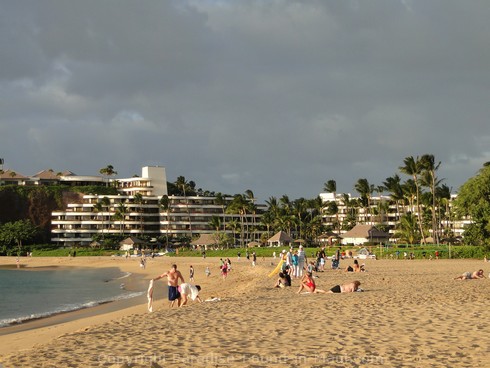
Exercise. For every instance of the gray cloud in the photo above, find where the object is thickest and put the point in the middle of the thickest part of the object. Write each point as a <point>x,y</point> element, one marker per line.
<point>277,97</point>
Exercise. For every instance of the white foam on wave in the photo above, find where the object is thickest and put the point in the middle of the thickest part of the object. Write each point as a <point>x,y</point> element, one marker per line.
<point>67,308</point>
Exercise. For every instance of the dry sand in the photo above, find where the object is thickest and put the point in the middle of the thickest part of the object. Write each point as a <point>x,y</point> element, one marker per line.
<point>411,314</point>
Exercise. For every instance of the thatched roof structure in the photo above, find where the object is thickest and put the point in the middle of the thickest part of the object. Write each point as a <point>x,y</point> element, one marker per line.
<point>280,238</point>
<point>362,233</point>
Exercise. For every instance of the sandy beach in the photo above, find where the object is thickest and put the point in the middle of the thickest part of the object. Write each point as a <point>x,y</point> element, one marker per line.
<point>411,314</point>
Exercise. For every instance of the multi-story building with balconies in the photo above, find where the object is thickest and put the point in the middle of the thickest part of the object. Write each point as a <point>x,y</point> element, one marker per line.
<point>137,211</point>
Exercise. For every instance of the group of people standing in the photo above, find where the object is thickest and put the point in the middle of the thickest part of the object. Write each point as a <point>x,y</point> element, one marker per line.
<point>295,263</point>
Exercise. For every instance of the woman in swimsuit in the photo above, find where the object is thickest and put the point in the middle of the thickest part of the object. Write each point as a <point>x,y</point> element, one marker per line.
<point>309,284</point>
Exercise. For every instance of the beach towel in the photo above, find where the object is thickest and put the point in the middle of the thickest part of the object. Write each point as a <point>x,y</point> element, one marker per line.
<point>149,295</point>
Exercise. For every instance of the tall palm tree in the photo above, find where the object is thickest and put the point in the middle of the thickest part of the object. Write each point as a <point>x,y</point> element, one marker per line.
<point>215,223</point>
<point>249,195</point>
<point>430,167</point>
<point>98,208</point>
<point>182,184</point>
<point>413,167</point>
<point>331,187</point>
<point>108,171</point>
<point>120,215</point>
<point>164,204</point>
<point>239,205</point>
<point>365,190</point>
<point>233,225</point>
<point>267,220</point>
<point>138,199</point>
<point>220,201</point>
<point>393,186</point>
<point>299,206</point>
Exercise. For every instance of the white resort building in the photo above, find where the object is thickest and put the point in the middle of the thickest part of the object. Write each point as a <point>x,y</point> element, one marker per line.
<point>137,211</point>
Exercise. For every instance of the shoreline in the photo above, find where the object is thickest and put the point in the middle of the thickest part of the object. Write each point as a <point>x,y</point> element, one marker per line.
<point>412,314</point>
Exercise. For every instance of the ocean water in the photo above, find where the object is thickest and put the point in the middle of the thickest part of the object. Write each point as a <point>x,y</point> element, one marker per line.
<point>33,294</point>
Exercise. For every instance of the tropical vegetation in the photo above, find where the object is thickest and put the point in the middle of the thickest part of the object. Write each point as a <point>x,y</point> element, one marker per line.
<point>415,194</point>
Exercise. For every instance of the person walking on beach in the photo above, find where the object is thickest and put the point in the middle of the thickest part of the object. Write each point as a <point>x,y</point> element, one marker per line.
<point>191,273</point>
<point>173,276</point>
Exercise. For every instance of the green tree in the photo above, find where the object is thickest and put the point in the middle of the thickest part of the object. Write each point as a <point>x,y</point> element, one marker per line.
<point>473,203</point>
<point>220,201</point>
<point>408,231</point>
<point>108,171</point>
<point>183,185</point>
<point>120,215</point>
<point>15,233</point>
<point>430,180</point>
<point>413,167</point>
<point>138,199</point>
<point>365,191</point>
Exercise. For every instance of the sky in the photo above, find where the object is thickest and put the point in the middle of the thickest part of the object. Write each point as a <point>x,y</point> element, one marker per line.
<point>273,96</point>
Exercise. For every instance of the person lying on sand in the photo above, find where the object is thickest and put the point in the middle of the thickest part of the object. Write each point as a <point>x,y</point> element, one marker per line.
<point>468,275</point>
<point>346,288</point>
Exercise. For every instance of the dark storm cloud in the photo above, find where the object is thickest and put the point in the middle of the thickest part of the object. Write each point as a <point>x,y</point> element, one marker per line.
<point>277,97</point>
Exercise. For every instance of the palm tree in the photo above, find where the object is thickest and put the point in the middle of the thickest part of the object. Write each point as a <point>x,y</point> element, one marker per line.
<point>365,190</point>
<point>183,185</point>
<point>108,171</point>
<point>98,208</point>
<point>299,207</point>
<point>239,205</point>
<point>413,167</point>
<point>215,223</point>
<point>138,199</point>
<point>120,215</point>
<point>233,225</point>
<point>267,220</point>
<point>408,231</point>
<point>165,206</point>
<point>430,167</point>
<point>331,187</point>
<point>220,201</point>
<point>393,186</point>
<point>249,195</point>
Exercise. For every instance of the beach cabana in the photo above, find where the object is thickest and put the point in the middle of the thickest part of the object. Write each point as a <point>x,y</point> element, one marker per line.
<point>130,243</point>
<point>205,240</point>
<point>279,239</point>
<point>328,237</point>
<point>361,234</point>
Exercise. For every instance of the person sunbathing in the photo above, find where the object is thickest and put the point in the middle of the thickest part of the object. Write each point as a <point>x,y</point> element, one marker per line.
<point>468,275</point>
<point>346,288</point>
